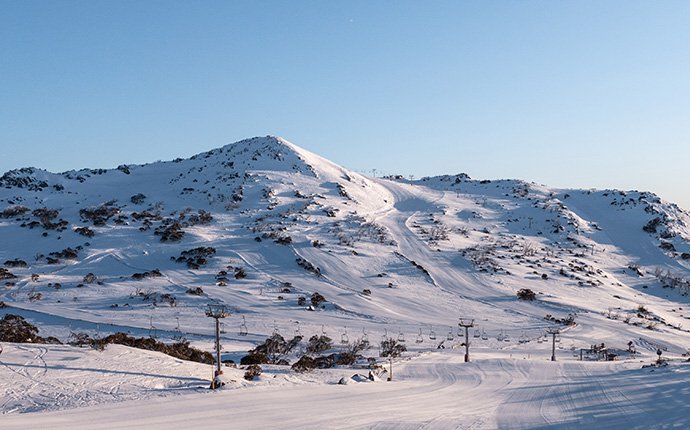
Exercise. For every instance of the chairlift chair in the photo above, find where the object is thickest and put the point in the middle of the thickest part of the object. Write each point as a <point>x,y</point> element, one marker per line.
<point>432,334</point>
<point>477,333</point>
<point>420,338</point>
<point>222,328</point>
<point>450,334</point>
<point>401,337</point>
<point>343,337</point>
<point>243,327</point>
<point>365,336</point>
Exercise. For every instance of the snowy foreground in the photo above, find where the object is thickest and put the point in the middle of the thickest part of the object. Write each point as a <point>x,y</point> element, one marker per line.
<point>506,389</point>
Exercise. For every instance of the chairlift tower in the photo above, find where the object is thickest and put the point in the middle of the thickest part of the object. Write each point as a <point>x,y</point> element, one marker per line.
<point>467,323</point>
<point>553,331</point>
<point>217,312</point>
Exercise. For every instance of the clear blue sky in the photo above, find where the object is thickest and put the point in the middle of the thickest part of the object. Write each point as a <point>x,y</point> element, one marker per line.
<point>566,93</point>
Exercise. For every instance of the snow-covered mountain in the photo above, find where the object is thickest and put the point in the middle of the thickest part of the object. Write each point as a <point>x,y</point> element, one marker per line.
<point>259,223</point>
<point>262,225</point>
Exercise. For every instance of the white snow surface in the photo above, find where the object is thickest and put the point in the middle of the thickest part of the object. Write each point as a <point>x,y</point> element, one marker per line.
<point>392,257</point>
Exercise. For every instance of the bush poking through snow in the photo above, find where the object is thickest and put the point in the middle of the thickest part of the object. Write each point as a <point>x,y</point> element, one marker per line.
<point>180,350</point>
<point>652,225</point>
<point>85,231</point>
<point>392,348</point>
<point>252,372</point>
<point>309,267</point>
<point>526,294</point>
<point>195,291</point>
<point>14,328</point>
<point>90,278</point>
<point>99,215</point>
<point>6,274</point>
<point>240,273</point>
<point>137,199</point>
<point>304,364</point>
<point>318,344</point>
<point>15,263</point>
<point>14,211</point>
<point>196,257</point>
<point>317,299</point>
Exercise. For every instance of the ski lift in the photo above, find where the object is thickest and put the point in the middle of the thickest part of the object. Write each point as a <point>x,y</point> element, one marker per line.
<point>177,328</point>
<point>385,335</point>
<point>558,338</point>
<point>275,328</point>
<point>365,336</point>
<point>323,330</point>
<point>500,336</point>
<point>420,339</point>
<point>484,335</point>
<point>343,337</point>
<point>432,334</point>
<point>152,329</point>
<point>222,328</point>
<point>401,337</point>
<point>297,330</point>
<point>243,327</point>
<point>540,340</point>
<point>477,333</point>
<point>450,334</point>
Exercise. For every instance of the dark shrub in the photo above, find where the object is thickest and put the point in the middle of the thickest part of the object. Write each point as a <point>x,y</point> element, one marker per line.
<point>137,199</point>
<point>240,273</point>
<point>652,225</point>
<point>667,246</point>
<point>304,364</point>
<point>14,328</point>
<point>15,263</point>
<point>85,231</point>
<point>14,211</point>
<point>391,348</point>
<point>90,278</point>
<point>254,358</point>
<point>6,274</point>
<point>253,370</point>
<point>99,215</point>
<point>317,299</point>
<point>526,294</point>
<point>195,291</point>
<point>318,344</point>
<point>309,267</point>
<point>180,350</point>
<point>170,231</point>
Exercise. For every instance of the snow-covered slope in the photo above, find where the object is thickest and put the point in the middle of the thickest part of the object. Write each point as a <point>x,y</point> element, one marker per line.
<point>262,223</point>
